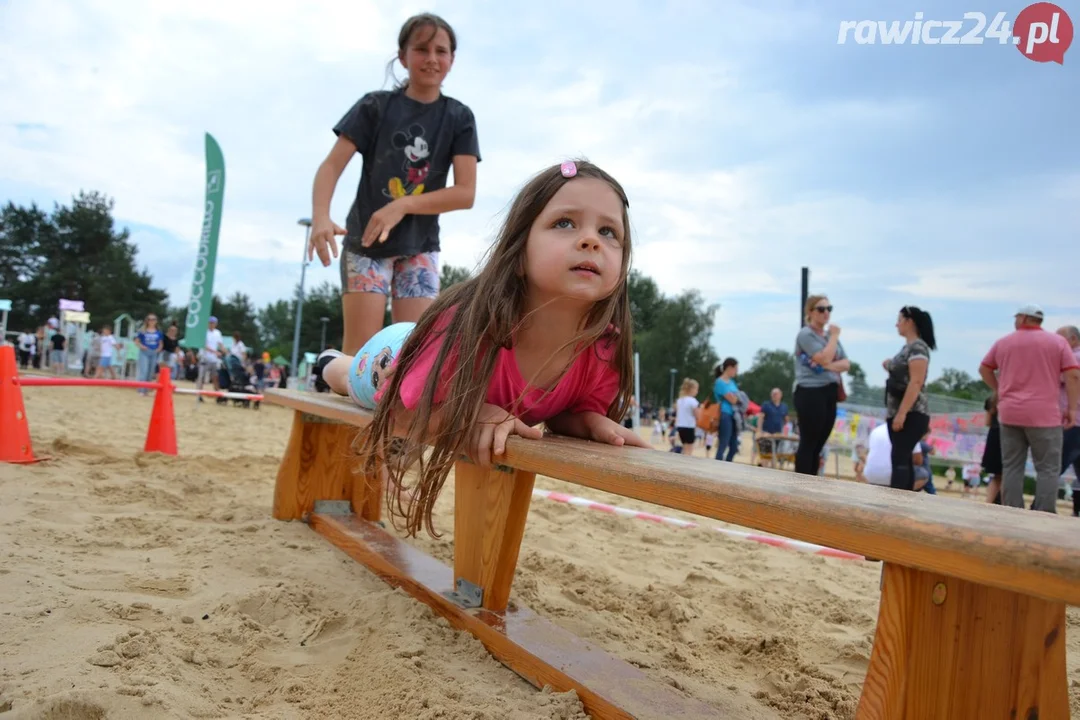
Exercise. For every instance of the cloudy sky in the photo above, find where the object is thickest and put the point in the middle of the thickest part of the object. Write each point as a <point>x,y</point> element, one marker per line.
<point>751,144</point>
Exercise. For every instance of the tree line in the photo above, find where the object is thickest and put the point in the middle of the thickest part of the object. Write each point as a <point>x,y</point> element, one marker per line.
<point>77,252</point>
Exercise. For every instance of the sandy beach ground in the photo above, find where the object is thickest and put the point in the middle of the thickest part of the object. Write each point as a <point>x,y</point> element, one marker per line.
<point>143,586</point>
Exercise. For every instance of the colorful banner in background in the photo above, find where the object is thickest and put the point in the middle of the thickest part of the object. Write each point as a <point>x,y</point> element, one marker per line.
<point>957,438</point>
<point>202,284</point>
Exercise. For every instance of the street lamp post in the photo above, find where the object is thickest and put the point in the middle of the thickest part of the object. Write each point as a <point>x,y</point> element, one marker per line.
<point>671,402</point>
<point>306,222</point>
<point>322,342</point>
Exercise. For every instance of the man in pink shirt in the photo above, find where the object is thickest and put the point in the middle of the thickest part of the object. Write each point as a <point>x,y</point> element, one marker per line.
<point>1025,369</point>
<point>1070,442</point>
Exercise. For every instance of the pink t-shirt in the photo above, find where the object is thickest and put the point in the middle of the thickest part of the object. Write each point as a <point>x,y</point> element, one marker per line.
<point>590,385</point>
<point>1029,362</point>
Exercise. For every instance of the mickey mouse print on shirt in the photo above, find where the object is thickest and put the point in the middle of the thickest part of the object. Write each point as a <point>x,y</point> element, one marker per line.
<point>415,165</point>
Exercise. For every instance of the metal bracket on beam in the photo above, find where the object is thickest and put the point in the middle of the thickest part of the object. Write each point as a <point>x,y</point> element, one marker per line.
<point>333,507</point>
<point>465,594</point>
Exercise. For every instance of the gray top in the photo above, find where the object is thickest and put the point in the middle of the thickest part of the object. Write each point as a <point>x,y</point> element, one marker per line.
<point>807,344</point>
<point>899,370</point>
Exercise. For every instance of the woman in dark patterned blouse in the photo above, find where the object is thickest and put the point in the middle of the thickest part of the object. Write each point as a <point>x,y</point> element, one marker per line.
<point>908,409</point>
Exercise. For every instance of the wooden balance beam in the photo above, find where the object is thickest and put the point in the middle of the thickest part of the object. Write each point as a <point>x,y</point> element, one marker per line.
<point>971,622</point>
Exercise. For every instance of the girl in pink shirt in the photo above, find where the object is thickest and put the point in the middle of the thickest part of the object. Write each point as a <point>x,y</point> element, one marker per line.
<point>541,335</point>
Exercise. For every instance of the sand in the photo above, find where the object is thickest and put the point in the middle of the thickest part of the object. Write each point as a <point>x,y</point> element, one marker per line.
<point>144,586</point>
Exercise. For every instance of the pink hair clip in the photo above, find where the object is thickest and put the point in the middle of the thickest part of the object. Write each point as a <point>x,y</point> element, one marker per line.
<point>569,169</point>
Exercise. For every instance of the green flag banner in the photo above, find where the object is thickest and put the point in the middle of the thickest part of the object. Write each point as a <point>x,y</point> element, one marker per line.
<point>202,284</point>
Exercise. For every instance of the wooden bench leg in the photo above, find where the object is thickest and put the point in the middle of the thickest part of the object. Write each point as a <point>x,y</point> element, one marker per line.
<point>319,464</point>
<point>490,508</point>
<point>948,648</point>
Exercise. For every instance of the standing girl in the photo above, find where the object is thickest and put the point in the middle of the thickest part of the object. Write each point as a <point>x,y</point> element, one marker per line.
<point>409,138</point>
<point>907,407</point>
<point>109,347</point>
<point>686,415</point>
<point>541,335</point>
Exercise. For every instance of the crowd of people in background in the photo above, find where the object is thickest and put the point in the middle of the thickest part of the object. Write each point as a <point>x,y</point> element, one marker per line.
<point>106,356</point>
<point>43,348</point>
<point>1033,375</point>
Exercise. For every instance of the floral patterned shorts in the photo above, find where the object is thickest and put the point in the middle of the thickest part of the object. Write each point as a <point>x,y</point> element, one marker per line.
<point>415,276</point>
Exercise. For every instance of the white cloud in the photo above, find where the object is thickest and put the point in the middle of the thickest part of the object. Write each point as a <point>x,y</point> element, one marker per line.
<point>1016,280</point>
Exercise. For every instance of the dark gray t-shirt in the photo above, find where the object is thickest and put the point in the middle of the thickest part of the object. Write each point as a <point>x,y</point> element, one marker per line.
<point>408,149</point>
<point>899,369</point>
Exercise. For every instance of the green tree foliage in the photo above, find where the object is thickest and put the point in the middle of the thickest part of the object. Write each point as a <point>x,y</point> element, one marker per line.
<point>645,301</point>
<point>237,314</point>
<point>958,384</point>
<point>452,275</point>
<point>277,322</point>
<point>769,369</point>
<point>74,253</point>
<point>857,375</point>
<point>671,333</point>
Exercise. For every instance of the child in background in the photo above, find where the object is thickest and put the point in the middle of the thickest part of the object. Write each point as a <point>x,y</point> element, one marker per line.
<point>170,344</point>
<point>673,438</point>
<point>541,335</point>
<point>657,429</point>
<point>685,418</point>
<point>108,347</point>
<point>58,355</point>
<point>409,138</point>
<point>991,459</point>
<point>861,453</point>
<point>924,474</point>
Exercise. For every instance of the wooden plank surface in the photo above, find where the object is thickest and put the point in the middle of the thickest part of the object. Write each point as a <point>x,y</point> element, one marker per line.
<point>1032,553</point>
<point>946,648</point>
<point>534,648</point>
<point>317,465</point>
<point>490,510</point>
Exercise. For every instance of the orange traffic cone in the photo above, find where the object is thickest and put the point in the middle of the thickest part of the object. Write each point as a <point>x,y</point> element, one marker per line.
<point>14,431</point>
<point>161,437</point>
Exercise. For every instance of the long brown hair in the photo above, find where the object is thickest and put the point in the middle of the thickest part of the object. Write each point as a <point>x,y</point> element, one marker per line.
<point>487,309</point>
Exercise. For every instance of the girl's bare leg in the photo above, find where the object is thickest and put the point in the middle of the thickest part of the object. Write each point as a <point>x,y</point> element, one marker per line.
<point>409,309</point>
<point>363,314</point>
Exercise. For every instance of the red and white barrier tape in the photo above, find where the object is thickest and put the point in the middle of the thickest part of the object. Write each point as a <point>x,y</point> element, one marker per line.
<point>676,522</point>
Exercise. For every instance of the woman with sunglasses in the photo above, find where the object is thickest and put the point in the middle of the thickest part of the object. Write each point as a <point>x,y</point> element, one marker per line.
<point>907,407</point>
<point>819,361</point>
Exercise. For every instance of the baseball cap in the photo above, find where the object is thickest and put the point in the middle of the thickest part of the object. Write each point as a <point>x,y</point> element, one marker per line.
<point>1031,310</point>
<point>212,319</point>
